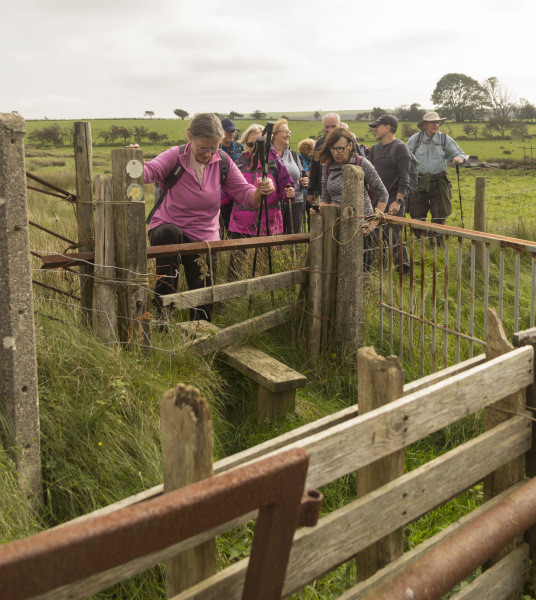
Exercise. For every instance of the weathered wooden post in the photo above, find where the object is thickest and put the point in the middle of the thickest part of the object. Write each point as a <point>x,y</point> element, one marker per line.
<point>315,285</point>
<point>130,246</point>
<point>480,218</point>
<point>506,476</point>
<point>19,401</point>
<point>104,288</point>
<point>349,315</point>
<point>187,455</point>
<point>84,210</point>
<point>380,381</point>
<point>330,249</point>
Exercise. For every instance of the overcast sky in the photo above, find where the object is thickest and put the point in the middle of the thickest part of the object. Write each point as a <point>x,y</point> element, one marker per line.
<point>119,58</point>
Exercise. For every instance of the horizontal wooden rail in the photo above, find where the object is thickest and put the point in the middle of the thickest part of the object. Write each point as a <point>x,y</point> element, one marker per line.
<point>55,261</point>
<point>235,289</point>
<point>343,533</point>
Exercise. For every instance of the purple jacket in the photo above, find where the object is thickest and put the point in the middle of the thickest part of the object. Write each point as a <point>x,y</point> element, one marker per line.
<point>194,208</point>
<point>244,219</point>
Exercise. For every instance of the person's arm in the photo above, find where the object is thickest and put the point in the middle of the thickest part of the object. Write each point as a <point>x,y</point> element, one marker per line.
<point>372,179</point>
<point>403,161</point>
<point>325,197</point>
<point>453,152</point>
<point>245,193</point>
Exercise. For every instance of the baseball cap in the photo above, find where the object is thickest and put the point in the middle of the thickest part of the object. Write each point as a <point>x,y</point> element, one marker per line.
<point>228,124</point>
<point>385,120</point>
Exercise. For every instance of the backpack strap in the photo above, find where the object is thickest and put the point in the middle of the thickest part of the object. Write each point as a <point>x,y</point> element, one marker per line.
<point>224,167</point>
<point>170,181</point>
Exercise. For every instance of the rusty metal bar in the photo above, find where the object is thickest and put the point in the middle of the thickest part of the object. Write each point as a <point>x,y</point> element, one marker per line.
<point>74,244</point>
<point>532,290</point>
<point>440,569</point>
<point>54,289</point>
<point>423,259</point>
<point>501,283</point>
<point>391,320</point>
<point>51,186</point>
<point>434,300</point>
<point>446,240</point>
<point>57,557</point>
<point>54,261</point>
<point>472,295</point>
<point>411,290</point>
<point>459,298</point>
<point>486,283</point>
<point>516,296</point>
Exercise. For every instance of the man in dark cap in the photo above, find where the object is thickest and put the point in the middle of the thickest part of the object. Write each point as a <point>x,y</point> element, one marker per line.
<point>233,149</point>
<point>392,161</point>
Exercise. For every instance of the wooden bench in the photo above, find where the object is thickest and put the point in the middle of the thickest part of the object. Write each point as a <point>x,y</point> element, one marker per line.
<point>277,382</point>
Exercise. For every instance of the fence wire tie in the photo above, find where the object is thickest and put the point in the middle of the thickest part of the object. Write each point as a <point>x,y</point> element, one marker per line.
<point>512,412</point>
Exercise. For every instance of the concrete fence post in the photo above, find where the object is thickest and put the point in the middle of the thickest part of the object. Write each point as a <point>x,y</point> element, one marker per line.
<point>19,402</point>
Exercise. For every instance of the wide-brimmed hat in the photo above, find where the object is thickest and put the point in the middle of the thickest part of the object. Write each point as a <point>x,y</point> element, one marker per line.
<point>431,116</point>
<point>228,124</point>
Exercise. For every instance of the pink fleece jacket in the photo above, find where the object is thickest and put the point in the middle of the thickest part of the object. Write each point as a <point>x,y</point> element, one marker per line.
<point>194,208</point>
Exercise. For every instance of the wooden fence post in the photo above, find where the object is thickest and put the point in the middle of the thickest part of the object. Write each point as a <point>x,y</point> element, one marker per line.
<point>503,478</point>
<point>84,210</point>
<point>349,319</point>
<point>480,218</point>
<point>330,243</point>
<point>380,381</point>
<point>187,454</point>
<point>19,400</point>
<point>130,246</point>
<point>315,285</point>
<point>104,288</point>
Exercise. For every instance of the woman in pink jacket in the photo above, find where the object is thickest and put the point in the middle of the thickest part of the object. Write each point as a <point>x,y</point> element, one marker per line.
<point>191,208</point>
<point>245,218</point>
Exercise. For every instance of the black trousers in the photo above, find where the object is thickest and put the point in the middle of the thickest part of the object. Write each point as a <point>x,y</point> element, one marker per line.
<point>298,210</point>
<point>421,203</point>
<point>168,268</point>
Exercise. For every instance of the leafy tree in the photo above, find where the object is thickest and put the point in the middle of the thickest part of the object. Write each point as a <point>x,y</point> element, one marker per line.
<point>364,116</point>
<point>182,114</point>
<point>235,115</point>
<point>377,112</point>
<point>316,115</point>
<point>408,130</point>
<point>525,110</point>
<point>149,113</point>
<point>125,133</point>
<point>139,133</point>
<point>411,113</point>
<point>500,125</point>
<point>500,99</point>
<point>519,128</point>
<point>52,134</point>
<point>258,114</point>
<point>155,137</point>
<point>459,96</point>
<point>471,130</point>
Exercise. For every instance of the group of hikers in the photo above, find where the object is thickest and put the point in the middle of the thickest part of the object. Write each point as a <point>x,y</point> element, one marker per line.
<point>215,183</point>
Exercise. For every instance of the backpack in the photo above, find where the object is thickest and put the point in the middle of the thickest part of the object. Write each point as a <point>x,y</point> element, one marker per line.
<point>414,169</point>
<point>176,174</point>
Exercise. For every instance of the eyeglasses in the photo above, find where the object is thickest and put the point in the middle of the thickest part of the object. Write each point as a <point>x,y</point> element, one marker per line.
<point>250,144</point>
<point>284,132</point>
<point>339,148</point>
<point>205,150</point>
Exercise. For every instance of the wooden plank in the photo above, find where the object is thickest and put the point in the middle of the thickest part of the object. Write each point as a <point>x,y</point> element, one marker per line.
<point>263,369</point>
<point>362,590</point>
<point>235,289</point>
<point>187,450</point>
<point>55,261</point>
<point>381,381</point>
<point>502,580</point>
<point>315,286</point>
<point>240,331</point>
<point>339,535</point>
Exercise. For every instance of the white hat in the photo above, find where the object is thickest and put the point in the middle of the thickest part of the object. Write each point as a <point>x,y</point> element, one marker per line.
<point>430,116</point>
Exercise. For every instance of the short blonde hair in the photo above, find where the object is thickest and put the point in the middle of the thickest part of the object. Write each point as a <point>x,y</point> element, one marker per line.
<point>253,127</point>
<point>277,125</point>
<point>306,146</point>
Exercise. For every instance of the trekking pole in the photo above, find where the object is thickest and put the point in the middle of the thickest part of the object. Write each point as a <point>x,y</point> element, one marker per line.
<point>460,193</point>
<point>289,204</point>
<point>260,145</point>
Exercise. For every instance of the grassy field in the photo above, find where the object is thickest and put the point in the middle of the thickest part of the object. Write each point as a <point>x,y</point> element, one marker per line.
<point>100,405</point>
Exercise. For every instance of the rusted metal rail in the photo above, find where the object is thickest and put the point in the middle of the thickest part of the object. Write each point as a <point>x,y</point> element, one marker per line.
<point>65,194</point>
<point>439,570</point>
<point>78,550</point>
<point>54,261</point>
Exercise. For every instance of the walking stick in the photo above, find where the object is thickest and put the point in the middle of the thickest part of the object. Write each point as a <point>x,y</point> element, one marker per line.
<point>289,204</point>
<point>460,193</point>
